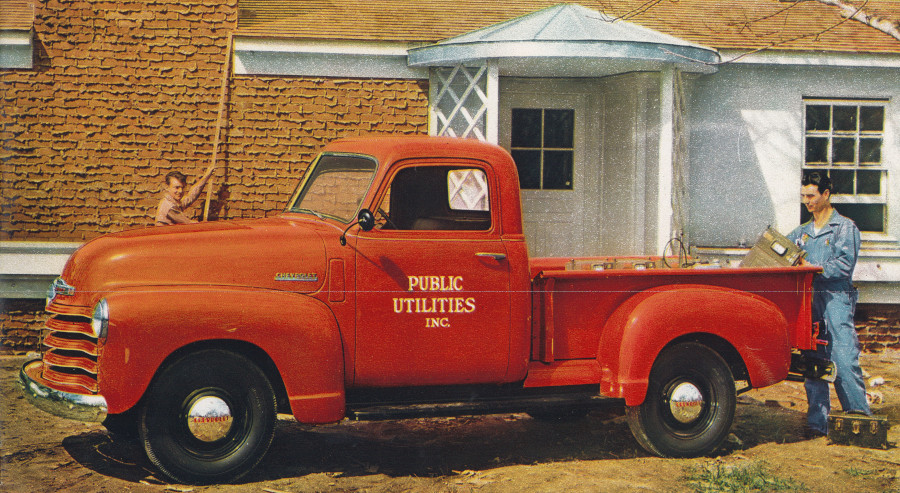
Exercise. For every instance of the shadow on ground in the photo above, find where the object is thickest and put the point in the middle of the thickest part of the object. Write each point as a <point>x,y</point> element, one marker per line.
<point>437,446</point>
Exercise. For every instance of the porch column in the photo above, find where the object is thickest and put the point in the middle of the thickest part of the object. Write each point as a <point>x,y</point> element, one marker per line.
<point>666,157</point>
<point>492,123</point>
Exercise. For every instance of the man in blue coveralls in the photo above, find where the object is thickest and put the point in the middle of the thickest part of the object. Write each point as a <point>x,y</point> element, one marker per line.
<point>831,241</point>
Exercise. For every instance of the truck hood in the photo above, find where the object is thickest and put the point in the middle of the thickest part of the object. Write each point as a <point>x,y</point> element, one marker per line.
<point>273,253</point>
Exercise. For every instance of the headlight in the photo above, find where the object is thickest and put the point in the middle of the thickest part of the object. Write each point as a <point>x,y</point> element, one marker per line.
<point>100,319</point>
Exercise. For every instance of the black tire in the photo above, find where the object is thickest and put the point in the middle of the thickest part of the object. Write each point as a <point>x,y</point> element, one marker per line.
<point>698,378</point>
<point>209,418</point>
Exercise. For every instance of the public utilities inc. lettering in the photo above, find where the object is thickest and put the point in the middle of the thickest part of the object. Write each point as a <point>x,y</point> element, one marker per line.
<point>435,305</point>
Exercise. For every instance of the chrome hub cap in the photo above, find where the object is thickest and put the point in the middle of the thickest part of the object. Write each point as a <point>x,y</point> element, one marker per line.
<point>686,402</point>
<point>209,418</point>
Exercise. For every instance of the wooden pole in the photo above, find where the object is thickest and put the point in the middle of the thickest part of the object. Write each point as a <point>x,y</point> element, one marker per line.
<point>222,96</point>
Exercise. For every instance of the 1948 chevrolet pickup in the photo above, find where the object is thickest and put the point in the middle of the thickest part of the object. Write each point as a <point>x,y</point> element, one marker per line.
<point>397,284</point>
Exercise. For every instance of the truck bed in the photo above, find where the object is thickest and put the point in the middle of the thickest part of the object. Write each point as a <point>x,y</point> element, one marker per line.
<point>576,299</point>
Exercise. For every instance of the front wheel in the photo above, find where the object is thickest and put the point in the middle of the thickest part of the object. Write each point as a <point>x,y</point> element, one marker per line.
<point>209,418</point>
<point>690,403</point>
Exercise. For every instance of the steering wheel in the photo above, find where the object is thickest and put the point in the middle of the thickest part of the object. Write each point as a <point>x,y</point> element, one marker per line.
<point>387,218</point>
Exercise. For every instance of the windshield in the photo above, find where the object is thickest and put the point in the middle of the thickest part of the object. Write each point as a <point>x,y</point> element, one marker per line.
<point>335,188</point>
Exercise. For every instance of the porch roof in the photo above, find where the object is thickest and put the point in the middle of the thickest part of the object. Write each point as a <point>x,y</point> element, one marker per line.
<point>567,39</point>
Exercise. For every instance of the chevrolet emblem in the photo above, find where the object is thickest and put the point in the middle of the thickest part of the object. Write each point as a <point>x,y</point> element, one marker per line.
<point>296,276</point>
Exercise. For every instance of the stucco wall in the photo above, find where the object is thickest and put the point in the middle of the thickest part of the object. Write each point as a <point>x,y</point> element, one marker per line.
<point>746,144</point>
<point>123,92</point>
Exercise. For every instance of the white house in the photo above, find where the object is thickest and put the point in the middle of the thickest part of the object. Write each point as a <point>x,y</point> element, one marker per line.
<point>627,136</point>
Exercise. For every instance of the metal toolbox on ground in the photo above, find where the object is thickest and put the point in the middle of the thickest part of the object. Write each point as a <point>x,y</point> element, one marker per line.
<point>773,249</point>
<point>858,430</point>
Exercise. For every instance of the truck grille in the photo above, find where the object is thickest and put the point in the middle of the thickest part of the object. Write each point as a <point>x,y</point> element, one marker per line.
<point>70,354</point>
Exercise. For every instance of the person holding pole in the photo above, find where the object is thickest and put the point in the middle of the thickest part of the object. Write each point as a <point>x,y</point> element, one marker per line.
<point>175,201</point>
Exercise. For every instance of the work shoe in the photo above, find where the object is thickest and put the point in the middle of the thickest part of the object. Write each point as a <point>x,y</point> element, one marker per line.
<point>812,433</point>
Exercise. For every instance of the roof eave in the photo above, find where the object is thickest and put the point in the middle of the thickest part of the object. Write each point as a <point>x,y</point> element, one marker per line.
<point>687,58</point>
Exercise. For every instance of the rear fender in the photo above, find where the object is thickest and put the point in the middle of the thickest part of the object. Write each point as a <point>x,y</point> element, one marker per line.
<point>298,333</point>
<point>641,327</point>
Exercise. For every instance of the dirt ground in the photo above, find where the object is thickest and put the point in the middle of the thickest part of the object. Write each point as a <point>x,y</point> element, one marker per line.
<point>499,453</point>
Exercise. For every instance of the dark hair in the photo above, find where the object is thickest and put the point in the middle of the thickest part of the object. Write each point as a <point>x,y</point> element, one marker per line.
<point>176,174</point>
<point>819,179</point>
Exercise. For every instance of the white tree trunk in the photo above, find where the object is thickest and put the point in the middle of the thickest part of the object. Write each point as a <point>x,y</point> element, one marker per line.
<point>858,13</point>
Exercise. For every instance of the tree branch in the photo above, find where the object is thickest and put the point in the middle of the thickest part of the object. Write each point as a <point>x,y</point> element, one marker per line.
<point>888,26</point>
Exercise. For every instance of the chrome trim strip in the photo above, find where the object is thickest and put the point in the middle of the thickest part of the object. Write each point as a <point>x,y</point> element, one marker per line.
<point>80,407</point>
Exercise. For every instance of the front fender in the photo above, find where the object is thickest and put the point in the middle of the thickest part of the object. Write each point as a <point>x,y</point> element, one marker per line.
<point>642,326</point>
<point>299,334</point>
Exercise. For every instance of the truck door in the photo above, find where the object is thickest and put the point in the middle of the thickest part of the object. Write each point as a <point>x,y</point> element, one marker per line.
<point>433,280</point>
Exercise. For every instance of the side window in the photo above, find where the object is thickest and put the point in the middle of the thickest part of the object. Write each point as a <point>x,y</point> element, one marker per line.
<point>843,138</point>
<point>437,198</point>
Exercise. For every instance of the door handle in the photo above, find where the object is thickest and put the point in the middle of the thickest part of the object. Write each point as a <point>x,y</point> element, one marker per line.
<point>495,256</point>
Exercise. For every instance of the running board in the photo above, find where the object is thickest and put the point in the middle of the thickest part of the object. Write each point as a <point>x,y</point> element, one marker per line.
<point>498,406</point>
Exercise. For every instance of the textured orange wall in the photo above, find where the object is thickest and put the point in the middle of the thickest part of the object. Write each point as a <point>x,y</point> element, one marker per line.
<point>123,92</point>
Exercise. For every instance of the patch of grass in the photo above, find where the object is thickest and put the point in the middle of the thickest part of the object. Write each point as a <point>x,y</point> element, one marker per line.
<point>721,477</point>
<point>856,472</point>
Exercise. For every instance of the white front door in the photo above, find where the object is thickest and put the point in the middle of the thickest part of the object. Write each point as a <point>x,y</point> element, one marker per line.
<point>549,128</point>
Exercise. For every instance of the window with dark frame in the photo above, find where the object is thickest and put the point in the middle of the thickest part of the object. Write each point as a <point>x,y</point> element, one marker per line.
<point>843,138</point>
<point>542,145</point>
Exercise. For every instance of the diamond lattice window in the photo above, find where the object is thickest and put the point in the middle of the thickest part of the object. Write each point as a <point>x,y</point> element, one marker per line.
<point>461,101</point>
<point>467,189</point>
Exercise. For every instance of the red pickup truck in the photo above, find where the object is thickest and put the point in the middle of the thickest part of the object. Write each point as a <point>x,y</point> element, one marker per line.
<point>397,284</point>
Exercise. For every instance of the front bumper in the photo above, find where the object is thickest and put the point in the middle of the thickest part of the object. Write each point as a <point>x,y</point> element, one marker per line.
<point>80,407</point>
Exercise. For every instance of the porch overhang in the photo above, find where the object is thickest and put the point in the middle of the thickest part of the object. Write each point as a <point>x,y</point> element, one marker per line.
<point>567,58</point>
<point>568,40</point>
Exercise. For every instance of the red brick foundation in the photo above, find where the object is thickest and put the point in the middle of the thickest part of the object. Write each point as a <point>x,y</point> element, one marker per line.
<point>21,325</point>
<point>878,327</point>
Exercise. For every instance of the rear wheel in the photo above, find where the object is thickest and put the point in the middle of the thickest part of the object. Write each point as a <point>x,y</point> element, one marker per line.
<point>690,403</point>
<point>209,418</point>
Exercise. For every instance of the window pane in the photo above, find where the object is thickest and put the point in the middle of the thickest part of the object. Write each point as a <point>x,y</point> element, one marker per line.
<point>558,170</point>
<point>818,117</point>
<point>559,128</point>
<point>842,151</point>
<point>870,151</point>
<point>871,118</point>
<point>816,150</point>
<point>526,128</point>
<point>468,190</point>
<point>847,137</point>
<point>809,171</point>
<point>868,182</point>
<point>842,180</point>
<point>529,165</point>
<point>868,217</point>
<point>845,118</point>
